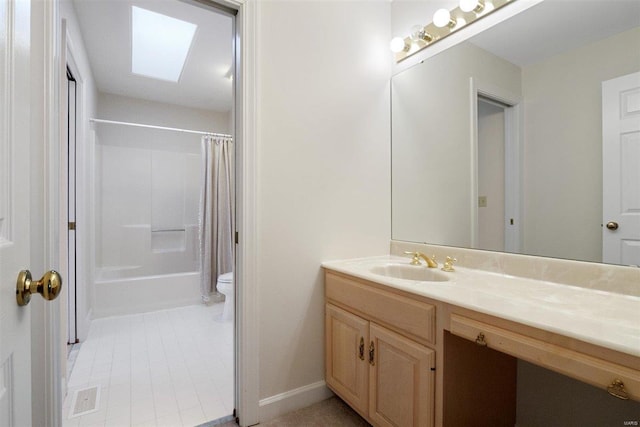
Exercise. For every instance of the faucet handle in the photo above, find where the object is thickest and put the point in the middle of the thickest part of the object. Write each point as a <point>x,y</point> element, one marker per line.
<point>416,257</point>
<point>448,264</point>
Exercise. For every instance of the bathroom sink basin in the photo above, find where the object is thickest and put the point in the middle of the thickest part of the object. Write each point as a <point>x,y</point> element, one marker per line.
<point>410,272</point>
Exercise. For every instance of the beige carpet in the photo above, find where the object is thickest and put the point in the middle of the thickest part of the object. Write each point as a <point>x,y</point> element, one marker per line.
<point>332,412</point>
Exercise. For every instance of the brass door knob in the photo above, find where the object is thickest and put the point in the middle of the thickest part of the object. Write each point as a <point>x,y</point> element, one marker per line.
<point>612,225</point>
<point>49,286</point>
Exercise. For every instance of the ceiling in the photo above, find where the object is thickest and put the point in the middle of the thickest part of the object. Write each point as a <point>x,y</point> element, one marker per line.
<point>204,83</point>
<point>556,26</point>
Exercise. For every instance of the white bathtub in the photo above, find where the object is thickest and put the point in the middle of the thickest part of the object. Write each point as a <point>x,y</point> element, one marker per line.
<point>117,294</point>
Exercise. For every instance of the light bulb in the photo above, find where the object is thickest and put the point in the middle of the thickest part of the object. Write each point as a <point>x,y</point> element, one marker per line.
<point>471,5</point>
<point>442,18</point>
<point>416,30</point>
<point>398,45</point>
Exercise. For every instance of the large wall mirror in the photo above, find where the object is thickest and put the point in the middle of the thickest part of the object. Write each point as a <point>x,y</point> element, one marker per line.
<point>526,137</point>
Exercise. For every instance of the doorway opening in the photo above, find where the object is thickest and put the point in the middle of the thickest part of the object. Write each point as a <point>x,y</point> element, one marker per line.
<point>491,174</point>
<point>496,190</point>
<point>160,347</point>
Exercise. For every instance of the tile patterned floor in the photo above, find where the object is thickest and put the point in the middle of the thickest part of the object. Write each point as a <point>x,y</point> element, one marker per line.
<point>166,368</point>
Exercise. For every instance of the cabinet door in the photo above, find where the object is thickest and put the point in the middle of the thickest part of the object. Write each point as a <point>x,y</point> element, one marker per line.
<point>347,369</point>
<point>401,388</point>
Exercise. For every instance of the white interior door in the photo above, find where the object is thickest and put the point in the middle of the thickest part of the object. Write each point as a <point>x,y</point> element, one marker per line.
<point>15,328</point>
<point>621,170</point>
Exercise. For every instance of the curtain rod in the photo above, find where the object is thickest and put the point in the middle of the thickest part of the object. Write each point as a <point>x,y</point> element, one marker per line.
<point>199,132</point>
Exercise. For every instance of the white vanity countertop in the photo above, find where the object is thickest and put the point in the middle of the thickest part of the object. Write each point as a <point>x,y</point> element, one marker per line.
<point>602,318</point>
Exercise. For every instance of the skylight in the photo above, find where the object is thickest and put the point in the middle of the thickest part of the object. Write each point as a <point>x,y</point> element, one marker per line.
<point>160,44</point>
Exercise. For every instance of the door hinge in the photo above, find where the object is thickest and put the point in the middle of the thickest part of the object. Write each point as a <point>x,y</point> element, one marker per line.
<point>237,238</point>
<point>72,225</point>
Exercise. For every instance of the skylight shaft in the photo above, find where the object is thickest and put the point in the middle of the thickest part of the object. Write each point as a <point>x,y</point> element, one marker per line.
<point>160,44</point>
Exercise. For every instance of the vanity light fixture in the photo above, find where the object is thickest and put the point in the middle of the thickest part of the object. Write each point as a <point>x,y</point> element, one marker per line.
<point>445,22</point>
<point>442,18</point>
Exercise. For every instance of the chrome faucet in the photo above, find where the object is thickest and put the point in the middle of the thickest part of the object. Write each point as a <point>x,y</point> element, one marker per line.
<point>431,261</point>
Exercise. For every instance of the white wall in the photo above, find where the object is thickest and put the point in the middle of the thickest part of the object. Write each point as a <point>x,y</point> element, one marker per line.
<point>563,144</point>
<point>323,170</point>
<point>122,108</point>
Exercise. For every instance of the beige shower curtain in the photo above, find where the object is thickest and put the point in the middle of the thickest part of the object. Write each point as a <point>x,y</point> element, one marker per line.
<point>216,214</point>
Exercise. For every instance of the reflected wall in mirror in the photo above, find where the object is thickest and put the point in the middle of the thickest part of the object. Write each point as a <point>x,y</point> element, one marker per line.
<point>497,142</point>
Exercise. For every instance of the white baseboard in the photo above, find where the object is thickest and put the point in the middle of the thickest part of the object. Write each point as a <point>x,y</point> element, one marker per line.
<point>292,400</point>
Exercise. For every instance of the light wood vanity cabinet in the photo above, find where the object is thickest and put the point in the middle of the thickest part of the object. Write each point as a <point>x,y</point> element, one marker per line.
<point>371,361</point>
<point>382,343</point>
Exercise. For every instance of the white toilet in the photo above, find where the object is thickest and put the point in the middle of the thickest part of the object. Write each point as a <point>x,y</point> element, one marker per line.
<point>225,287</point>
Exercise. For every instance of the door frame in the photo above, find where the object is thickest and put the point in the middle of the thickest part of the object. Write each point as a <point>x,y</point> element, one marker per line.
<point>247,365</point>
<point>54,342</point>
<point>514,146</point>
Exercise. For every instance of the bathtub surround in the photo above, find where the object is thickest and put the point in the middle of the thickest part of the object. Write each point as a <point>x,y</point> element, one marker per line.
<point>148,185</point>
<point>215,214</point>
<point>147,204</point>
<point>148,225</point>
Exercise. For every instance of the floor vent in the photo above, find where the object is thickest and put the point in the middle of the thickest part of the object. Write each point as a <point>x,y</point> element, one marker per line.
<point>85,401</point>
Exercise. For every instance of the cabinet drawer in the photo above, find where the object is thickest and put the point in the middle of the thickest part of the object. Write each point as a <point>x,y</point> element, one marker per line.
<point>412,318</point>
<point>583,367</point>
